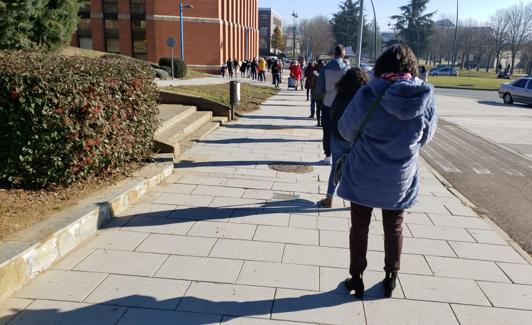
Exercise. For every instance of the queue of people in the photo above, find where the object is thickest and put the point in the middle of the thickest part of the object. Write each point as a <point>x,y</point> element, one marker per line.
<point>373,129</point>
<point>254,69</point>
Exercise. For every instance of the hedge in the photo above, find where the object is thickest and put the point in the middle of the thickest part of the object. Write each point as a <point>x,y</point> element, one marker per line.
<point>63,119</point>
<point>180,67</point>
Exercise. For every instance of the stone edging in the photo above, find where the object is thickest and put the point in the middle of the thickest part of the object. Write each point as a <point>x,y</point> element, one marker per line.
<point>27,255</point>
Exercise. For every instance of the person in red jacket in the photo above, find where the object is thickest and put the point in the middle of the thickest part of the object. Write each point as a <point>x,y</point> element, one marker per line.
<point>296,73</point>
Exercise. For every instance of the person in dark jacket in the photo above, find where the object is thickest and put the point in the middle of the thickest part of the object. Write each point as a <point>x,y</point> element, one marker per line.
<point>382,169</point>
<point>346,89</point>
<point>230,68</point>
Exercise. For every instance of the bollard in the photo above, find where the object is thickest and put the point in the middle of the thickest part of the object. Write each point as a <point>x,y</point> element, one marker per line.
<point>234,96</point>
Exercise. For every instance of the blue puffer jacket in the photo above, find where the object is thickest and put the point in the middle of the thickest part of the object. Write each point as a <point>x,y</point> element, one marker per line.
<point>382,168</point>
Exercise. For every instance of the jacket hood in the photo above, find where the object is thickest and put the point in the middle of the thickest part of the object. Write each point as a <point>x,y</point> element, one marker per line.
<point>336,64</point>
<point>405,99</point>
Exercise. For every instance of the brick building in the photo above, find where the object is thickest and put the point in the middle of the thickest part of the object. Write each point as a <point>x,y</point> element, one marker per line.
<point>215,30</point>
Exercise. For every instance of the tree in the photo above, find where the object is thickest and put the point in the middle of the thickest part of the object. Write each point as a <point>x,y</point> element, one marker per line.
<point>371,43</point>
<point>346,23</point>
<point>519,28</point>
<point>278,42</point>
<point>316,34</point>
<point>499,23</point>
<point>37,24</point>
<point>413,26</point>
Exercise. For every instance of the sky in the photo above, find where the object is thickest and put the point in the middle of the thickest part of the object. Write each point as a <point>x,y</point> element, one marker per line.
<point>479,10</point>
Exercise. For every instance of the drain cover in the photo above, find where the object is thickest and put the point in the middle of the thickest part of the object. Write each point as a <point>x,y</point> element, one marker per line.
<point>291,167</point>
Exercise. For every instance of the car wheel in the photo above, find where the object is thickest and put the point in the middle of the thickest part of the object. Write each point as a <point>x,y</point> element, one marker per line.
<point>507,98</point>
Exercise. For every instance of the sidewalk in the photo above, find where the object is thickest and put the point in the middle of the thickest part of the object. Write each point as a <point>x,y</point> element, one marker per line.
<point>226,237</point>
<point>216,80</point>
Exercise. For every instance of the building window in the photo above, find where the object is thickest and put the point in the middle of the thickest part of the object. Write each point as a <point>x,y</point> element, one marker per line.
<point>84,28</point>
<point>110,23</point>
<point>138,7</point>
<point>110,7</point>
<point>138,29</point>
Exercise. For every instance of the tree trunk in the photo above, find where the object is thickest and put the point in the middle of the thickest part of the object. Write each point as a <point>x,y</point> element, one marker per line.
<point>513,62</point>
<point>489,63</point>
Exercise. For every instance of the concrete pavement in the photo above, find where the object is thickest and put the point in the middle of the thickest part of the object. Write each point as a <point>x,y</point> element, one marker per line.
<point>227,240</point>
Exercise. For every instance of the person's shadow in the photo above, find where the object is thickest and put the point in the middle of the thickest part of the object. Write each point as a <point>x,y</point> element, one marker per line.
<point>189,310</point>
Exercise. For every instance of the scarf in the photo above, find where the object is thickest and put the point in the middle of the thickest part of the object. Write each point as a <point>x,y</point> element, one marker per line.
<point>393,76</point>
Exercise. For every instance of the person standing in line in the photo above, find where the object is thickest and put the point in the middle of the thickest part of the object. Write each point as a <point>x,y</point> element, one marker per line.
<point>223,68</point>
<point>329,77</point>
<point>301,61</point>
<point>309,75</point>
<point>276,73</point>
<point>236,66</point>
<point>243,68</point>
<point>346,89</point>
<point>262,70</point>
<point>382,169</point>
<point>253,69</point>
<point>318,97</point>
<point>230,68</point>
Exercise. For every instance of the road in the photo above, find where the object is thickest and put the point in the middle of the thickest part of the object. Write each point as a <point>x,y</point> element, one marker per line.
<point>483,149</point>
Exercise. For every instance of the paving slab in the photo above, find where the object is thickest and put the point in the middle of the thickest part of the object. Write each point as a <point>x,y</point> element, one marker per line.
<point>50,312</point>
<point>408,312</point>
<point>136,316</point>
<point>200,269</point>
<point>317,307</point>
<point>223,230</point>
<point>156,225</point>
<point>280,275</point>
<point>178,245</point>
<point>508,295</point>
<point>11,307</point>
<point>442,290</point>
<point>518,273</point>
<point>117,240</point>
<point>226,299</point>
<point>134,291</point>
<point>121,262</point>
<point>287,235</point>
<point>248,250</point>
<point>466,269</point>
<point>487,252</point>
<point>318,256</point>
<point>62,285</point>
<point>473,315</point>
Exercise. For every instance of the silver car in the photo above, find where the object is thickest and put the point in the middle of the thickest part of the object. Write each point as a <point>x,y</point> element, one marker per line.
<point>519,90</point>
<point>443,71</point>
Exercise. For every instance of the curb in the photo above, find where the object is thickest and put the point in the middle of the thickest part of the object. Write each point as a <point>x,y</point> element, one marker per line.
<point>463,88</point>
<point>36,249</point>
<point>477,210</point>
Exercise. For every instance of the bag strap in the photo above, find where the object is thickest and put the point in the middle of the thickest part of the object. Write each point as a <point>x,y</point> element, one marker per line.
<point>370,113</point>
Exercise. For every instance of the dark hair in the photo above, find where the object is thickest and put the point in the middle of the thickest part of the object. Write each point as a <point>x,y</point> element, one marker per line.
<point>339,51</point>
<point>399,58</point>
<point>351,82</point>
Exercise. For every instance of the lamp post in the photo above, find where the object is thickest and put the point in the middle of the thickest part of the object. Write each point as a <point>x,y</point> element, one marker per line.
<point>375,28</point>
<point>455,34</point>
<point>181,6</point>
<point>295,27</point>
<point>360,32</point>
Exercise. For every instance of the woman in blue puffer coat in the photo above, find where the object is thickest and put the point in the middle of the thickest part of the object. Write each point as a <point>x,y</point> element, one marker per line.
<point>382,168</point>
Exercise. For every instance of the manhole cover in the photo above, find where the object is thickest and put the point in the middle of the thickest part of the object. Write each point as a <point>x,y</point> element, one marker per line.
<point>291,167</point>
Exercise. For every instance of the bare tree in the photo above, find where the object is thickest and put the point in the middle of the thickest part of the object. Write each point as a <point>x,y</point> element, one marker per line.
<point>519,28</point>
<point>317,34</point>
<point>499,23</point>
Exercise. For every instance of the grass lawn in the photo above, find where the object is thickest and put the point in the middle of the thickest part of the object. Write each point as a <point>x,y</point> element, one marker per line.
<point>463,81</point>
<point>251,96</point>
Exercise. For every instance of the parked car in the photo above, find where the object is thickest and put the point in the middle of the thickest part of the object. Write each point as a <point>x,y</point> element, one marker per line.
<point>439,66</point>
<point>444,71</point>
<point>519,90</point>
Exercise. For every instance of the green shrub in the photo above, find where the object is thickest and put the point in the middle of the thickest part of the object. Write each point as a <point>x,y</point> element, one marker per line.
<point>65,118</point>
<point>180,67</point>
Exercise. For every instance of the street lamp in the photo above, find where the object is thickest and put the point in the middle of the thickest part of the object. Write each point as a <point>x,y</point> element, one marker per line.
<point>455,34</point>
<point>360,32</point>
<point>294,48</point>
<point>181,6</point>
<point>375,28</point>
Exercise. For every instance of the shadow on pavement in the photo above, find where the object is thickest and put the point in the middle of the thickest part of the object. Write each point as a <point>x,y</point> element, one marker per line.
<point>186,310</point>
<point>252,140</point>
<point>501,104</point>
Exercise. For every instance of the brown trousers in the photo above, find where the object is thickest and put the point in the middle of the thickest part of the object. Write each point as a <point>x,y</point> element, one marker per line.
<point>358,238</point>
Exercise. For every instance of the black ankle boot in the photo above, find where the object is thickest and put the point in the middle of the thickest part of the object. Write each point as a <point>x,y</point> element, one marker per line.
<point>389,283</point>
<point>355,284</point>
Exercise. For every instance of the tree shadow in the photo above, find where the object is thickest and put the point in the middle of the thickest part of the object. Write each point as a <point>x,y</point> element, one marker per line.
<point>233,163</point>
<point>266,126</point>
<point>189,310</point>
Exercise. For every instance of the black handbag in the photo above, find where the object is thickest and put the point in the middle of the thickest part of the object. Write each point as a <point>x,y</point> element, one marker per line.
<point>340,163</point>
